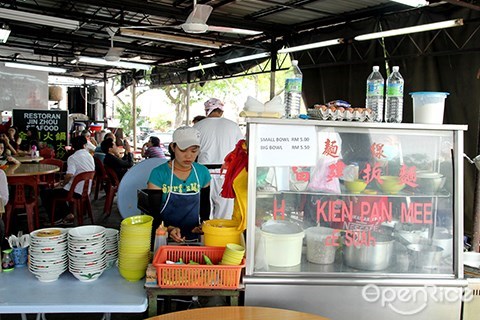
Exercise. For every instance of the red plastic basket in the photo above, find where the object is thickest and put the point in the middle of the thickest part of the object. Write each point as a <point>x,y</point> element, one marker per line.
<point>195,275</point>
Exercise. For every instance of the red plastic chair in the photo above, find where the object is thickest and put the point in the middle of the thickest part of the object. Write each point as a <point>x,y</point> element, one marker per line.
<point>101,177</point>
<point>52,180</point>
<point>23,199</point>
<point>112,188</point>
<point>78,204</point>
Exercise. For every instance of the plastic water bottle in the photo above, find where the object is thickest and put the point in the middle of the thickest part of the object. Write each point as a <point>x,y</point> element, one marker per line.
<point>293,91</point>
<point>375,88</point>
<point>33,151</point>
<point>161,236</point>
<point>394,101</point>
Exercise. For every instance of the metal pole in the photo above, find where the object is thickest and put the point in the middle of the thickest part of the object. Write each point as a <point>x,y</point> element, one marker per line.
<point>134,117</point>
<point>273,68</point>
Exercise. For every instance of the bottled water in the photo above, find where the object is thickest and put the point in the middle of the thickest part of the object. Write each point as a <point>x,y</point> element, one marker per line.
<point>394,101</point>
<point>375,87</point>
<point>293,91</point>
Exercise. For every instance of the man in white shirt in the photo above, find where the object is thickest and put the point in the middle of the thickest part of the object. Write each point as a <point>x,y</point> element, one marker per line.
<point>3,201</point>
<point>80,161</point>
<point>218,137</point>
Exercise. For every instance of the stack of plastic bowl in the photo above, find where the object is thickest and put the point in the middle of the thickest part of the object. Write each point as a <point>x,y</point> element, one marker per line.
<point>48,253</point>
<point>87,252</point>
<point>134,246</point>
<point>233,254</point>
<point>112,246</point>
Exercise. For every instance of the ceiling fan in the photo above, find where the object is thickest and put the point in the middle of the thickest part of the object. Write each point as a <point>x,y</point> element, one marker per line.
<point>114,53</point>
<point>197,23</point>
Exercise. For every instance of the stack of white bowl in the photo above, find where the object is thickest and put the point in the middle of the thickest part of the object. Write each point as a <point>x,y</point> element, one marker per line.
<point>134,246</point>
<point>48,253</point>
<point>87,252</point>
<point>112,246</point>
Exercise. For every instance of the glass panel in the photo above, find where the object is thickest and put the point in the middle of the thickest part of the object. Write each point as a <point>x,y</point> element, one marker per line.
<point>374,201</point>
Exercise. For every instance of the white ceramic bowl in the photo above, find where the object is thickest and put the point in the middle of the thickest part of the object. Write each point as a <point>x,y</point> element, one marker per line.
<point>86,232</point>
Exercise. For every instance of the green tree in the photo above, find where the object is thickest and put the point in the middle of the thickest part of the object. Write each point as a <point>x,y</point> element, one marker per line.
<point>125,116</point>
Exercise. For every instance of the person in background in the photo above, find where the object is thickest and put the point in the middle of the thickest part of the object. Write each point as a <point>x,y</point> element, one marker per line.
<point>197,119</point>
<point>98,150</point>
<point>7,146</point>
<point>185,186</point>
<point>112,157</point>
<point>46,151</point>
<point>218,137</point>
<point>80,161</point>
<point>14,138</point>
<point>152,149</point>
<point>91,146</point>
<point>4,154</point>
<point>3,202</point>
<point>32,139</point>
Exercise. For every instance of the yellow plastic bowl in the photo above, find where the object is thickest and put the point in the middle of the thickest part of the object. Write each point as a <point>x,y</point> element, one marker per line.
<point>137,220</point>
<point>391,184</point>
<point>356,186</point>
<point>132,275</point>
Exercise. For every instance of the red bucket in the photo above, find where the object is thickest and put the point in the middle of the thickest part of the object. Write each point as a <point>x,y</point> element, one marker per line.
<point>95,127</point>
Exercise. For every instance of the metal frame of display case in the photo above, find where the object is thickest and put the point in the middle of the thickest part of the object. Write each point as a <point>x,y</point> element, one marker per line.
<point>315,292</point>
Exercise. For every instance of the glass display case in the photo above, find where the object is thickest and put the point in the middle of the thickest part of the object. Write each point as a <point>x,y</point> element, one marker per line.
<point>339,208</point>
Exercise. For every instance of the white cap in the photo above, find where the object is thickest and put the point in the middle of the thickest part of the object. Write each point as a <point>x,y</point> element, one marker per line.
<point>186,137</point>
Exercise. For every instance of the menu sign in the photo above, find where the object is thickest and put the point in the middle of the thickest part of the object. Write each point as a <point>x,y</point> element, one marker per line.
<point>51,125</point>
<point>286,146</point>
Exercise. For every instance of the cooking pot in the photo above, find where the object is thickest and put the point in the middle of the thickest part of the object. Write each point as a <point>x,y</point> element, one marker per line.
<point>374,257</point>
<point>424,256</point>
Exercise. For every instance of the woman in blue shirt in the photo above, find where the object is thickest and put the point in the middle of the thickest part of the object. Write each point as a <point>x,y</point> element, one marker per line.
<point>182,182</point>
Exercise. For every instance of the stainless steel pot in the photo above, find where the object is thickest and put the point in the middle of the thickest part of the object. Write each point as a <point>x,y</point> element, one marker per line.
<point>424,256</point>
<point>373,258</point>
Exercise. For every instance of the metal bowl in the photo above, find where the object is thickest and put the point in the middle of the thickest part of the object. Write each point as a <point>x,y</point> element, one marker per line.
<point>373,258</point>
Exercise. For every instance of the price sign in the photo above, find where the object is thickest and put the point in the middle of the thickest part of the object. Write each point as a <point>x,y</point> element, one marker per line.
<point>279,145</point>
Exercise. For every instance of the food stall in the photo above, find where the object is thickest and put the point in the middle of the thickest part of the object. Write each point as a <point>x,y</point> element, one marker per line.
<point>355,219</point>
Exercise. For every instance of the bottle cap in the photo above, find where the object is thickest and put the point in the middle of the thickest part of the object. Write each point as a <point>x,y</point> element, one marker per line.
<point>161,230</point>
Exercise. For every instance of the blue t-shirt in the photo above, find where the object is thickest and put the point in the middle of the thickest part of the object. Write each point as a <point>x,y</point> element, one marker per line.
<point>160,176</point>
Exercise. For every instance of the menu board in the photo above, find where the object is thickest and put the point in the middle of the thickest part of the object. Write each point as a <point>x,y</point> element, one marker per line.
<point>51,126</point>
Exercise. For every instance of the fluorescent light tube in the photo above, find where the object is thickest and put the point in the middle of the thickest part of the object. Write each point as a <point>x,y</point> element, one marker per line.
<point>4,33</point>
<point>408,30</point>
<point>203,66</point>
<point>413,3</point>
<point>35,67</point>
<point>120,64</point>
<point>170,38</point>
<point>247,58</point>
<point>34,18</point>
<point>312,45</point>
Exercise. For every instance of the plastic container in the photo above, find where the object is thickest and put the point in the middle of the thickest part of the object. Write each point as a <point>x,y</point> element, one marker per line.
<point>161,236</point>
<point>428,107</point>
<point>319,249</point>
<point>219,232</point>
<point>195,275</point>
<point>375,89</point>
<point>293,91</point>
<point>95,127</point>
<point>394,97</point>
<point>283,243</point>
